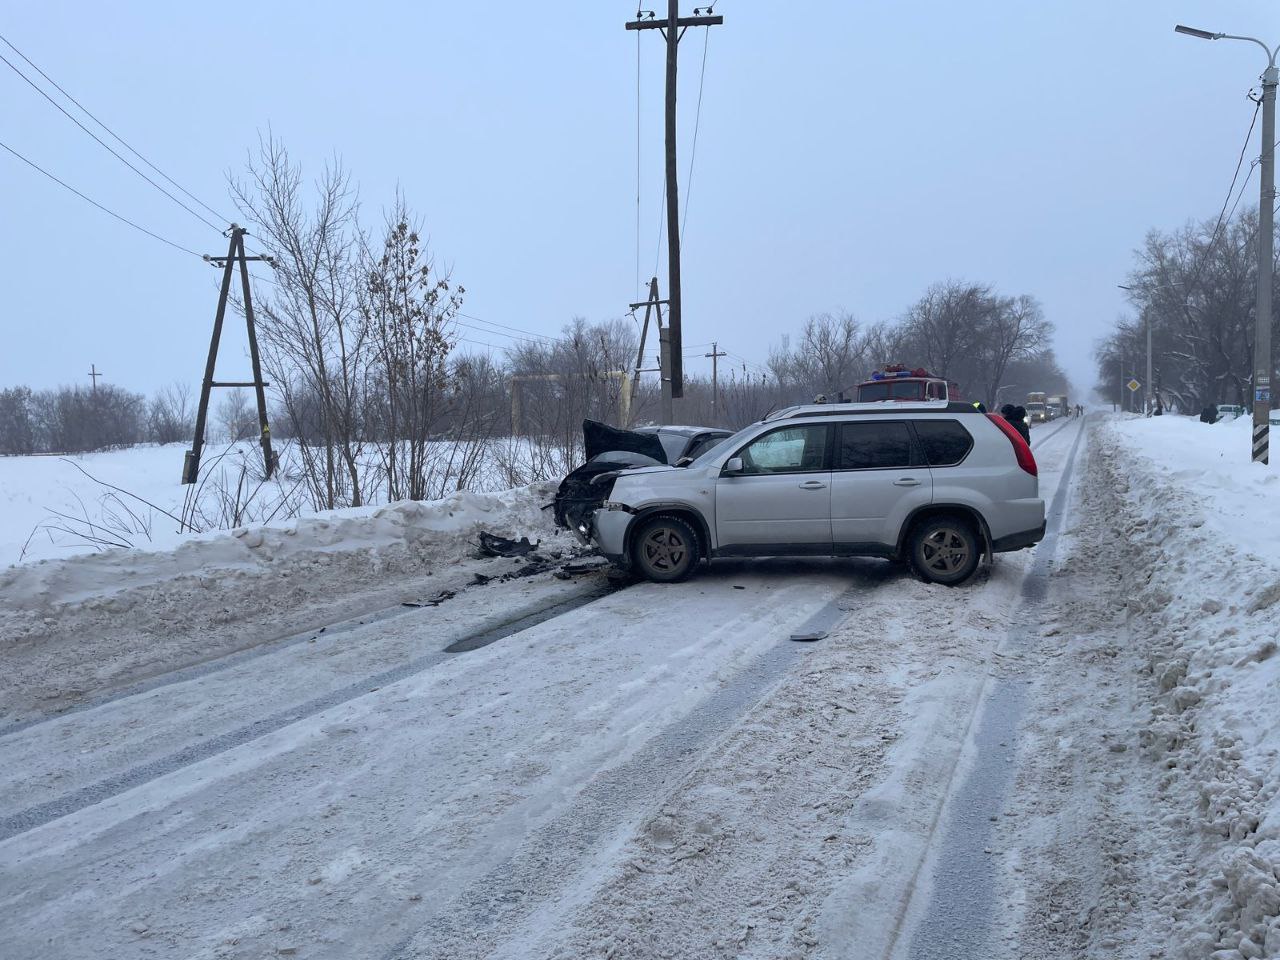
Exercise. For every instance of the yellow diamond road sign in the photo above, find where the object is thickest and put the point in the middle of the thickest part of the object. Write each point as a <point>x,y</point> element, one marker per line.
<point>1134,385</point>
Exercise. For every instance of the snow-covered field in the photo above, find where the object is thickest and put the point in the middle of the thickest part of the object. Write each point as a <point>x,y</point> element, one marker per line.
<point>200,759</point>
<point>53,507</point>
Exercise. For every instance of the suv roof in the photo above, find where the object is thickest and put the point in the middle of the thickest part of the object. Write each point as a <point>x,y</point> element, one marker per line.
<point>681,430</point>
<point>874,406</point>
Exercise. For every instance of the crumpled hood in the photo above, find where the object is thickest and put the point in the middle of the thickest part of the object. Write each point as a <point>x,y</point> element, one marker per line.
<point>601,438</point>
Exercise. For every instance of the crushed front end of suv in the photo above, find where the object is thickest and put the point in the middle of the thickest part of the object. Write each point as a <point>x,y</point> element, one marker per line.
<point>609,450</point>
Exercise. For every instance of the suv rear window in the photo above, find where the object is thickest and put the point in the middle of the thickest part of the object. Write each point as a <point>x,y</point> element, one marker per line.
<point>945,442</point>
<point>870,445</point>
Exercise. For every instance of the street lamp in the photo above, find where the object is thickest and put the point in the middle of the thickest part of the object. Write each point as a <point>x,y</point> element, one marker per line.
<point>1262,365</point>
<point>1000,390</point>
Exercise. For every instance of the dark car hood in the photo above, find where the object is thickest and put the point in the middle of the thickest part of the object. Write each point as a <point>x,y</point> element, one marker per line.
<point>602,438</point>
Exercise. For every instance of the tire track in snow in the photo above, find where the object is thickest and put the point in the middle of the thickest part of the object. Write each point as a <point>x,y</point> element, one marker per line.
<point>954,923</point>
<point>1041,441</point>
<point>41,814</point>
<point>606,811</point>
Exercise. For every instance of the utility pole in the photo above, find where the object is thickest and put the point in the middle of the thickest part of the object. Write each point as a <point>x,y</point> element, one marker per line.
<point>715,354</point>
<point>654,303</point>
<point>94,375</point>
<point>673,28</point>
<point>1262,363</point>
<point>1263,366</point>
<point>235,254</point>
<point>1147,385</point>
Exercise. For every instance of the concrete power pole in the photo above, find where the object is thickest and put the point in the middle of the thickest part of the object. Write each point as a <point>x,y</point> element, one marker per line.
<point>1263,366</point>
<point>673,28</point>
<point>715,354</point>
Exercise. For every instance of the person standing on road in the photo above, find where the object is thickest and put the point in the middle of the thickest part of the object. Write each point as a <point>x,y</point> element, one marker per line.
<point>1019,421</point>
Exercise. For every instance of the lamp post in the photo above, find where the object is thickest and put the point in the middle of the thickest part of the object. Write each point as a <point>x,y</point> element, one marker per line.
<point>1000,390</point>
<point>1262,365</point>
<point>1148,388</point>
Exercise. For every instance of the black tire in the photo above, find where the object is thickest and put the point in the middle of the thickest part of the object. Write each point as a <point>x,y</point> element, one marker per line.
<point>664,549</point>
<point>945,549</point>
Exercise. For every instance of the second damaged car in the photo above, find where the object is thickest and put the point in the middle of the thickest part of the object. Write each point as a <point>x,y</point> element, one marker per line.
<point>610,450</point>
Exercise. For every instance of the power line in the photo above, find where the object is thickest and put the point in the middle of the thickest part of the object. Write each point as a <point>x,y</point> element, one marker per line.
<point>637,161</point>
<point>1244,147</point>
<point>117,136</point>
<point>64,184</point>
<point>494,323</point>
<point>697,121</point>
<point>105,145</point>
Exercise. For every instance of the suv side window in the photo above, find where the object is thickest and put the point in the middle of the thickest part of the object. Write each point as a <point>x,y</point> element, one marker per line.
<point>874,444</point>
<point>945,442</point>
<point>800,449</point>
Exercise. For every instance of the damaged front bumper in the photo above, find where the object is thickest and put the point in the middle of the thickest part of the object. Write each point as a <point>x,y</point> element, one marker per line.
<point>608,528</point>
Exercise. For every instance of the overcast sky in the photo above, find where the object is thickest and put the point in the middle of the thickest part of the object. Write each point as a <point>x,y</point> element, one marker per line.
<point>848,155</point>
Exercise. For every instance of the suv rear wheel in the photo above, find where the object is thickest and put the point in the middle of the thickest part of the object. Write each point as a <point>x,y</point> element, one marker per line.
<point>665,549</point>
<point>945,549</point>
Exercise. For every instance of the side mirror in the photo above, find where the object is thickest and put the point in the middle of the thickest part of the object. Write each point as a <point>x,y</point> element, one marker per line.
<point>732,465</point>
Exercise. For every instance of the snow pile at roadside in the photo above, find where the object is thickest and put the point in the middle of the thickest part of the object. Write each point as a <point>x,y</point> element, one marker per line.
<point>386,537</point>
<point>1203,524</point>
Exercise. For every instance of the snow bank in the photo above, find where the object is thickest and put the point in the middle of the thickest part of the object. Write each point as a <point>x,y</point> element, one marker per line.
<point>439,530</point>
<point>1202,522</point>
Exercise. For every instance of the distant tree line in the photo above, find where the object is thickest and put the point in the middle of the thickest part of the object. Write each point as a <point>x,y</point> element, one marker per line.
<point>993,346</point>
<point>81,419</point>
<point>1197,288</point>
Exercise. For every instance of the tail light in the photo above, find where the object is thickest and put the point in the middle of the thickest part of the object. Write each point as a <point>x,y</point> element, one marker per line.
<point>1021,449</point>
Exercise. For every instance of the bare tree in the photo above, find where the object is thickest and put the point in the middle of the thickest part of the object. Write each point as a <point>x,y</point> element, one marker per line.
<point>406,311</point>
<point>170,415</point>
<point>313,340</point>
<point>17,431</point>
<point>829,357</point>
<point>237,416</point>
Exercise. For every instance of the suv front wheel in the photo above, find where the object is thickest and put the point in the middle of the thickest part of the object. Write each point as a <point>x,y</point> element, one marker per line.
<point>945,550</point>
<point>665,549</point>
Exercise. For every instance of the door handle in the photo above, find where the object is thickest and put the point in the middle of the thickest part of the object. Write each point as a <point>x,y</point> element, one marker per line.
<point>813,485</point>
<point>906,482</point>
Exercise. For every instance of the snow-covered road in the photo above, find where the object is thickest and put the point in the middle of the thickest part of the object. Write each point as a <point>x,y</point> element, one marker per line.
<point>656,772</point>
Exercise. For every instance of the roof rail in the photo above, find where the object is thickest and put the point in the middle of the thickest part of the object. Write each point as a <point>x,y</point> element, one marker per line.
<point>873,408</point>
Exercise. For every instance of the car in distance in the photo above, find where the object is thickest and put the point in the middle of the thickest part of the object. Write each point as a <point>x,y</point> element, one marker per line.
<point>936,483</point>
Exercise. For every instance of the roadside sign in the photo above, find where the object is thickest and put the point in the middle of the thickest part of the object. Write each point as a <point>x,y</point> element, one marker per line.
<point>1134,386</point>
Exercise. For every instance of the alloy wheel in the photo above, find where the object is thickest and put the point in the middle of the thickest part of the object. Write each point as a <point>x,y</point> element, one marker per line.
<point>945,551</point>
<point>664,549</point>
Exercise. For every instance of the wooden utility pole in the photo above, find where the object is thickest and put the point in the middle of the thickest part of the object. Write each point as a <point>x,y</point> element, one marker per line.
<point>673,28</point>
<point>715,354</point>
<point>94,375</point>
<point>235,254</point>
<point>664,350</point>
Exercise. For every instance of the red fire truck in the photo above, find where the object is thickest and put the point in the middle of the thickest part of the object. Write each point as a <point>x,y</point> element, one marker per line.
<point>896,382</point>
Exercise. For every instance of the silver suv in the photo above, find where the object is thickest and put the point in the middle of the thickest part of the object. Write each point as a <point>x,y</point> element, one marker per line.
<point>938,484</point>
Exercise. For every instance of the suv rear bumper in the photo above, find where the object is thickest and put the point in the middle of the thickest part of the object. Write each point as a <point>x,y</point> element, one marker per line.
<point>1019,541</point>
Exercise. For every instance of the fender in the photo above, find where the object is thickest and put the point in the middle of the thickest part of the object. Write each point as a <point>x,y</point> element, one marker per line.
<point>972,513</point>
<point>682,510</point>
